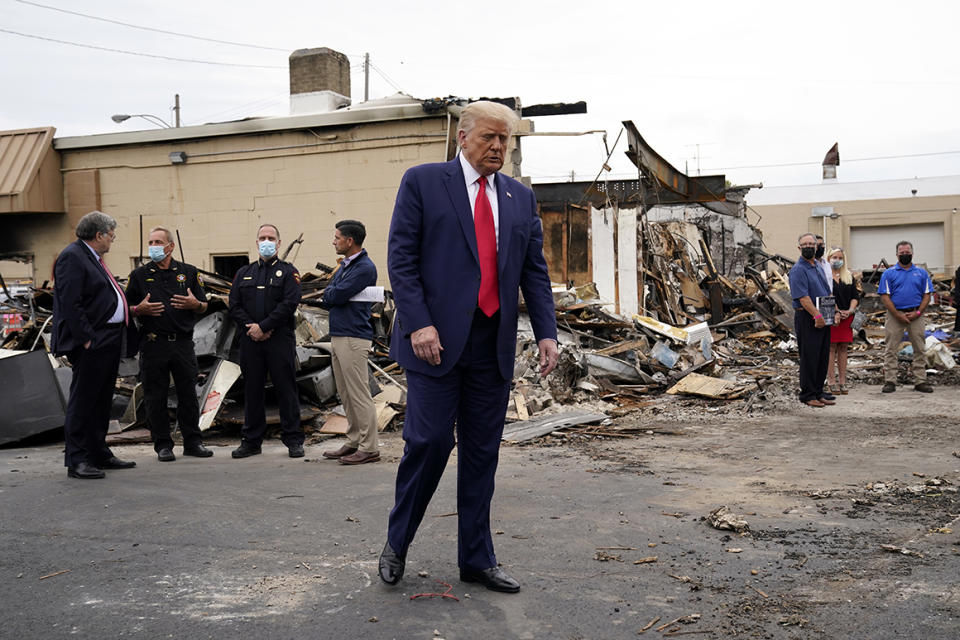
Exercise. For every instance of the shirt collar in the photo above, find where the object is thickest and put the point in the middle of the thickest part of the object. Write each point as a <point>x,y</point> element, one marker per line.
<point>268,263</point>
<point>471,175</point>
<point>346,261</point>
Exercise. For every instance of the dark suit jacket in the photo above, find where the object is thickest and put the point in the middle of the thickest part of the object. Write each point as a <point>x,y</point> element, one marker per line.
<point>435,272</point>
<point>84,299</point>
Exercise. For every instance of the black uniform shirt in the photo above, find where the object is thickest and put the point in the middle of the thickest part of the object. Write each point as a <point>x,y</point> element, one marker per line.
<point>162,285</point>
<point>265,292</point>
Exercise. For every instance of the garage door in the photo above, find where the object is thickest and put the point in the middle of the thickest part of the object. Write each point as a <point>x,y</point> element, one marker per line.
<point>869,244</point>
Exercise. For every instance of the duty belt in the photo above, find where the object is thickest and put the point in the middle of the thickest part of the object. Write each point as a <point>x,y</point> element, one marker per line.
<point>168,337</point>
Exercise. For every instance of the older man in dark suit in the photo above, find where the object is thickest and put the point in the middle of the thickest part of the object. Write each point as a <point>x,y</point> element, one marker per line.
<point>464,240</point>
<point>90,327</point>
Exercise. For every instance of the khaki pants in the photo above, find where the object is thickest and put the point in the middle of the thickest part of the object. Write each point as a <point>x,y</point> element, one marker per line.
<point>894,336</point>
<point>350,372</point>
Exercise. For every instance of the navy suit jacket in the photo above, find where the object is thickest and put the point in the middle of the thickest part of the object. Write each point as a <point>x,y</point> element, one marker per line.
<point>84,299</point>
<point>435,272</point>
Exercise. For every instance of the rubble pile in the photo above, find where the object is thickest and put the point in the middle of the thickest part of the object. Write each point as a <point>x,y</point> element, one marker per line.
<point>700,342</point>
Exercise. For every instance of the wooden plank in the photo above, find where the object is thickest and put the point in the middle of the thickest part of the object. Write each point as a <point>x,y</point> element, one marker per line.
<point>530,429</point>
<point>701,385</point>
<point>620,347</point>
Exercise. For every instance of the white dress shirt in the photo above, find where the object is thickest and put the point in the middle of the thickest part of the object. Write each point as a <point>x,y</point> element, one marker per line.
<point>470,177</point>
<point>118,314</point>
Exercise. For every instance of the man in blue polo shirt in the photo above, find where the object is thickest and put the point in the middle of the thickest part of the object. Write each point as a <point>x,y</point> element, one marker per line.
<point>807,284</point>
<point>905,291</point>
<point>351,335</point>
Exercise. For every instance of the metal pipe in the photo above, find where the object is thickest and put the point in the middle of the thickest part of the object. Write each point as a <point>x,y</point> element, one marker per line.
<point>387,375</point>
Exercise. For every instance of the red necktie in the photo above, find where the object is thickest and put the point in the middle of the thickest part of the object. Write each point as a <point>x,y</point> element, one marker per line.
<point>126,311</point>
<point>489,297</point>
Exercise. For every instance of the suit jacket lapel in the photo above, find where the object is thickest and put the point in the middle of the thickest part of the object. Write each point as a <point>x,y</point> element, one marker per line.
<point>96,263</point>
<point>457,190</point>
<point>506,208</point>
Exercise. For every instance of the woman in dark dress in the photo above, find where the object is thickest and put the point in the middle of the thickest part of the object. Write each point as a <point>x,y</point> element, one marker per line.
<point>841,335</point>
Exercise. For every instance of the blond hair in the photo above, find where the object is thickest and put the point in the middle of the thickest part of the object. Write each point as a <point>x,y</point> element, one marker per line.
<point>490,110</point>
<point>845,276</point>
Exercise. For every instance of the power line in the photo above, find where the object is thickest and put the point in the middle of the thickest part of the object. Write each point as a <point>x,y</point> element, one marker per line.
<point>385,77</point>
<point>144,55</point>
<point>801,164</point>
<point>136,26</point>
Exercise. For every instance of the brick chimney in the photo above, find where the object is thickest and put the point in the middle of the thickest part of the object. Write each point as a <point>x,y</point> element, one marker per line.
<point>319,81</point>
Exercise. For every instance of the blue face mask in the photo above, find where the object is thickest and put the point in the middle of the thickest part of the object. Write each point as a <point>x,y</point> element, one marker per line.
<point>268,248</point>
<point>157,253</point>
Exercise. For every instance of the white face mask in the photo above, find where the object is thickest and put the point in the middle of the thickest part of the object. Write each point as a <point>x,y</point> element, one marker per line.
<point>836,264</point>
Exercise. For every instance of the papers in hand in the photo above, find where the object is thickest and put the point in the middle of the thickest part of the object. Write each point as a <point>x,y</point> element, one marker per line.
<point>827,306</point>
<point>370,294</point>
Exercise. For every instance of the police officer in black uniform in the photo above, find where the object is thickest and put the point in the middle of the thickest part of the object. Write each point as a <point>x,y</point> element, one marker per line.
<point>263,300</point>
<point>167,298</point>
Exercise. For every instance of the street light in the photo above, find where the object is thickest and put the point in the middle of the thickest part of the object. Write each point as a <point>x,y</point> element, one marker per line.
<point>160,122</point>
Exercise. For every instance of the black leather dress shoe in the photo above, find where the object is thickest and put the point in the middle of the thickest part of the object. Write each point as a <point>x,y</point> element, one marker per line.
<point>166,455</point>
<point>828,396</point>
<point>113,462</point>
<point>494,578</point>
<point>391,565</point>
<point>85,471</point>
<point>197,451</point>
<point>245,450</point>
<point>295,450</point>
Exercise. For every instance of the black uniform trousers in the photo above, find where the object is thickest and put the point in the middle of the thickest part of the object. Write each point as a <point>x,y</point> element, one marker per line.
<point>91,397</point>
<point>278,357</point>
<point>158,360</point>
<point>814,347</point>
<point>473,396</point>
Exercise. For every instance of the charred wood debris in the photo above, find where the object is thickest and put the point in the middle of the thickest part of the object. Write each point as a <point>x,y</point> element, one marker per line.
<point>723,342</point>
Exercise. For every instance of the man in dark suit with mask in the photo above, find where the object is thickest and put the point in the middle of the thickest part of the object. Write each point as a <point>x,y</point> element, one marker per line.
<point>91,327</point>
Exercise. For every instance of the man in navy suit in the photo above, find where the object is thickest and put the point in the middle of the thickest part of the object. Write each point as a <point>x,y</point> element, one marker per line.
<point>91,325</point>
<point>463,240</point>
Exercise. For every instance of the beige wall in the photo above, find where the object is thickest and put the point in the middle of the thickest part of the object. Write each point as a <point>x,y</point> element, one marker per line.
<point>782,223</point>
<point>230,185</point>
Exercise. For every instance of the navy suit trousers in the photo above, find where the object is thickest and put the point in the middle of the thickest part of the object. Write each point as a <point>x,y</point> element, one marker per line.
<point>91,397</point>
<point>472,399</point>
<point>278,357</point>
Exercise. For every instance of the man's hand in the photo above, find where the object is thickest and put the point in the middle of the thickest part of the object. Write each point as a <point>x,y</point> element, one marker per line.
<point>86,345</point>
<point>819,323</point>
<point>549,354</point>
<point>426,344</point>
<point>907,317</point>
<point>187,302</point>
<point>147,308</point>
<point>255,333</point>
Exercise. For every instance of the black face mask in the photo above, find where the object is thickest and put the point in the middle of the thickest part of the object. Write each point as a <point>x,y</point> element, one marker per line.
<point>819,252</point>
<point>807,252</point>
<point>905,258</point>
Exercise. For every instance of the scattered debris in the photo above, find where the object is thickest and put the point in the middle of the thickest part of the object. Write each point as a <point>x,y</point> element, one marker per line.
<point>890,548</point>
<point>723,519</point>
<point>603,556</point>
<point>646,560</point>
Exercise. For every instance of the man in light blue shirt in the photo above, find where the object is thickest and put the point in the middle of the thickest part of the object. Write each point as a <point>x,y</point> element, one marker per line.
<point>905,291</point>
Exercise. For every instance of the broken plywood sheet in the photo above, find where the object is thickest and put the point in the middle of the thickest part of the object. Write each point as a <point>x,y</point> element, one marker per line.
<point>664,329</point>
<point>224,374</point>
<point>335,424</point>
<point>530,429</point>
<point>697,384</point>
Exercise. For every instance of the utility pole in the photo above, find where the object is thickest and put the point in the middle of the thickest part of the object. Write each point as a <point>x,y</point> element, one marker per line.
<point>366,77</point>
<point>176,110</point>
